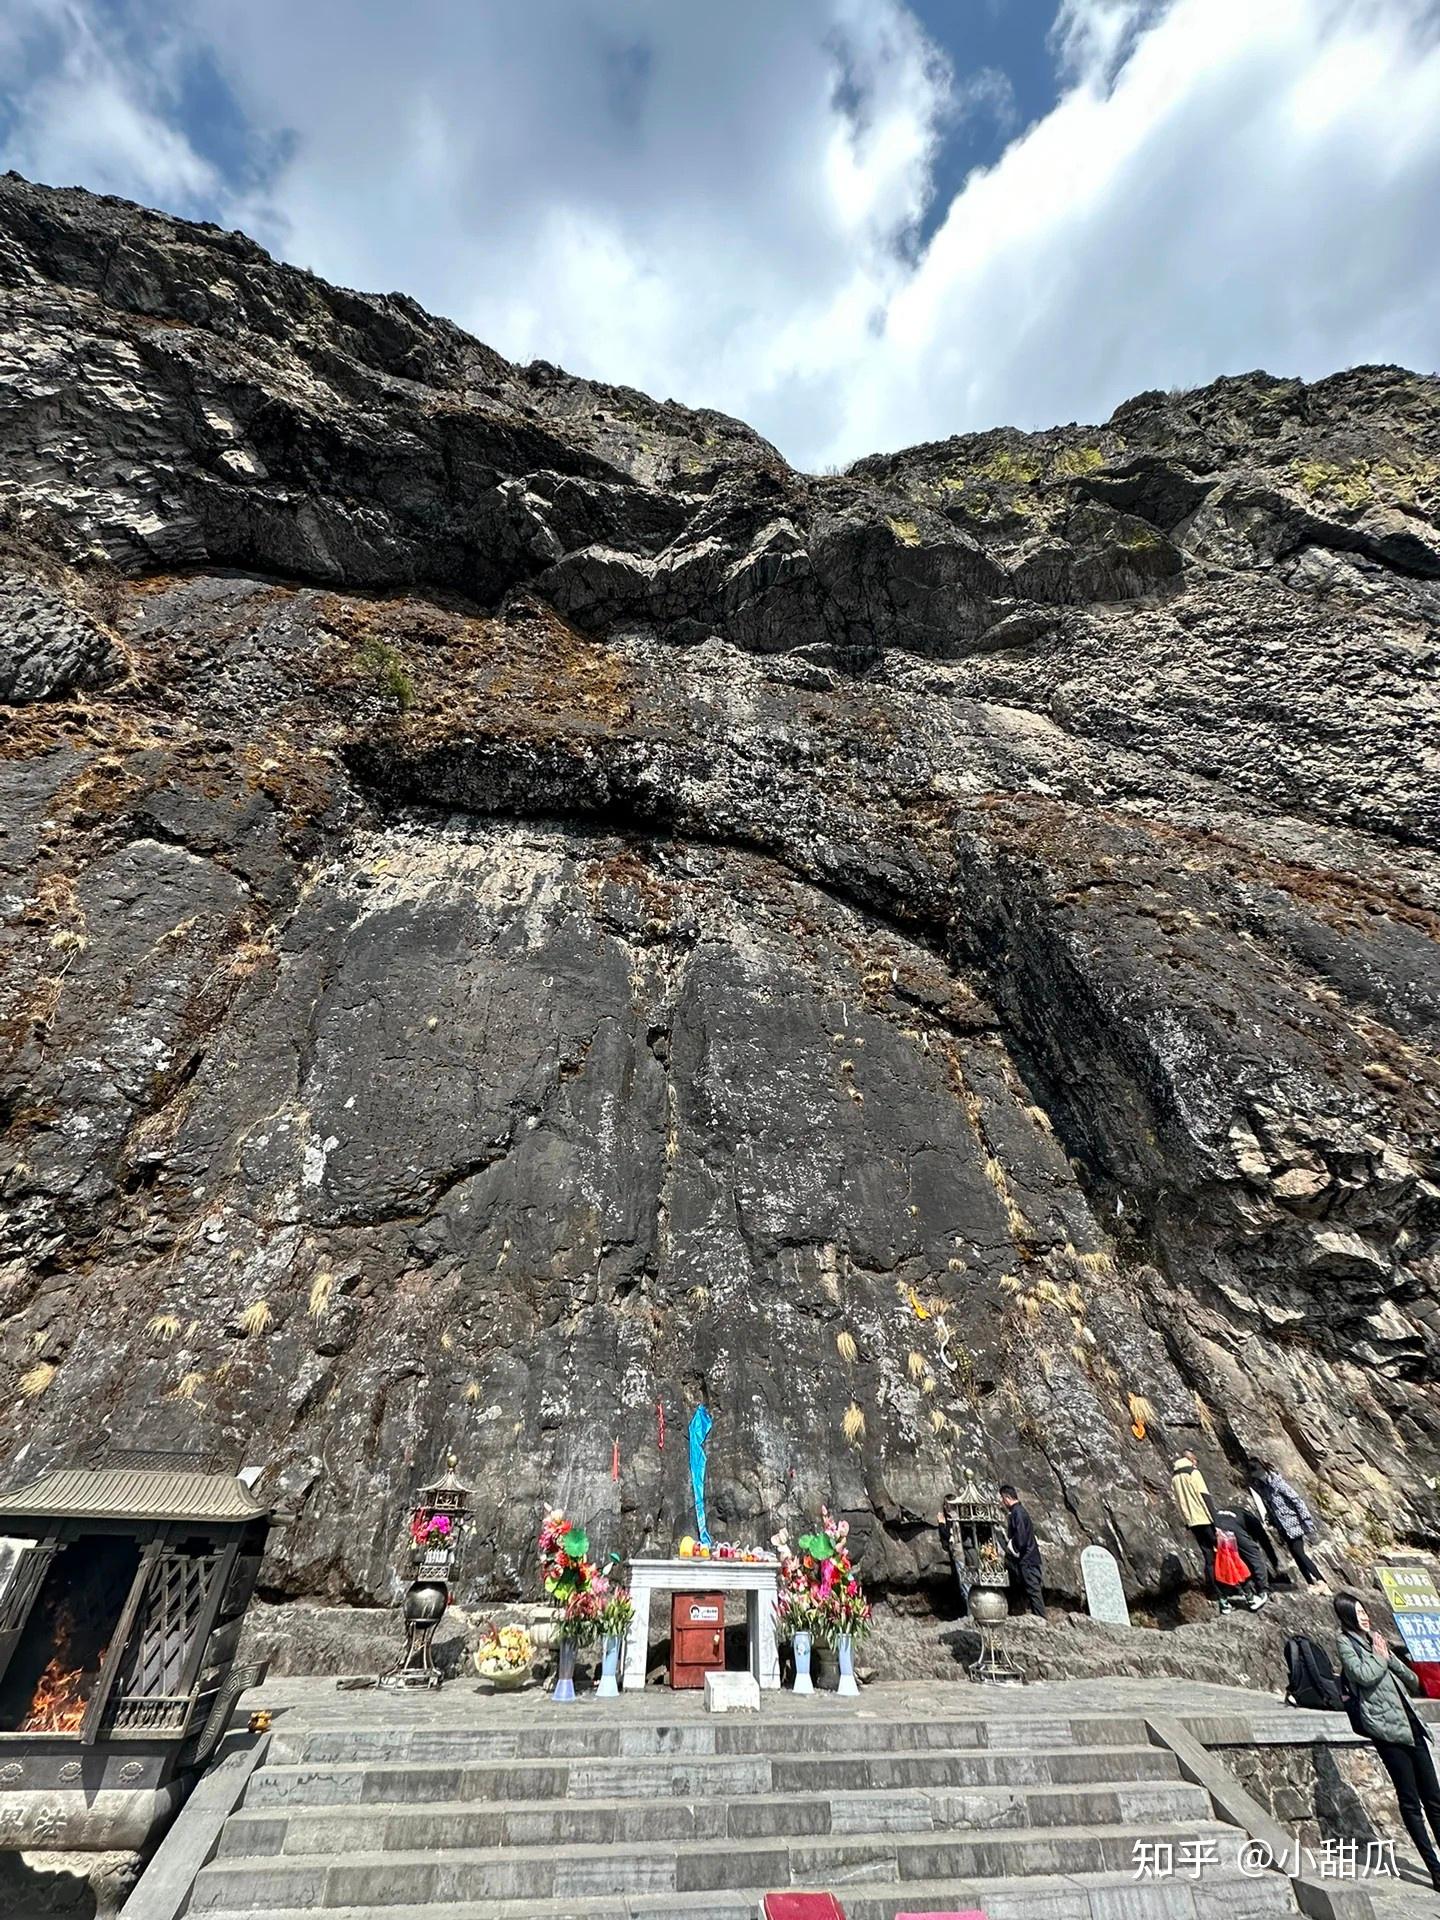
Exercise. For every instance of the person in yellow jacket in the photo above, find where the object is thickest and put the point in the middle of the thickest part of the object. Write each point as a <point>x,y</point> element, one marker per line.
<point>1193,1504</point>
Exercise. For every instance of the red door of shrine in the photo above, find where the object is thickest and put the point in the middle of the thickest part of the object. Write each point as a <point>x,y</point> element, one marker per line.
<point>697,1637</point>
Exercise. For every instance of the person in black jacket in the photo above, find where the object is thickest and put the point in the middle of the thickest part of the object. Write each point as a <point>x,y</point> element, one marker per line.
<point>1022,1552</point>
<point>1256,1591</point>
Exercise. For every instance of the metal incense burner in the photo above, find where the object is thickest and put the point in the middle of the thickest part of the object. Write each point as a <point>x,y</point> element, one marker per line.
<point>437,1528</point>
<point>976,1523</point>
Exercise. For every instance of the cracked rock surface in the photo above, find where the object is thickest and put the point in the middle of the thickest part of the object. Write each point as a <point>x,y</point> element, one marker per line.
<point>516,906</point>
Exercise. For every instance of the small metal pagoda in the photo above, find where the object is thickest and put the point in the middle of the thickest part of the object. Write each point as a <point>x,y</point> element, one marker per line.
<point>436,1532</point>
<point>976,1524</point>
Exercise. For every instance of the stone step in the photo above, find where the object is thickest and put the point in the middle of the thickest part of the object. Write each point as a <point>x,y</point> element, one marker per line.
<point>501,1874</point>
<point>577,1733</point>
<point>442,1827</point>
<point>1228,1896</point>
<point>700,1776</point>
<point>1102,1896</point>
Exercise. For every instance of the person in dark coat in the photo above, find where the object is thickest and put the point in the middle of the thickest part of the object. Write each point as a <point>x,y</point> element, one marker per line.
<point>1256,1591</point>
<point>1022,1552</point>
<point>1289,1514</point>
<point>1380,1686</point>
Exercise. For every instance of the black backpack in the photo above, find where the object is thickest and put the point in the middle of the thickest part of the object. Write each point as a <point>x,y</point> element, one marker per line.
<point>1313,1682</point>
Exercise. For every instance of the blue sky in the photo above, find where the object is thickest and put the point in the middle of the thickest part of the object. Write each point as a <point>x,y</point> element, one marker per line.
<point>855,223</point>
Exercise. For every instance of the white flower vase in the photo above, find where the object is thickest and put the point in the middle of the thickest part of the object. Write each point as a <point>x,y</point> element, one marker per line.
<point>608,1685</point>
<point>846,1652</point>
<point>800,1645</point>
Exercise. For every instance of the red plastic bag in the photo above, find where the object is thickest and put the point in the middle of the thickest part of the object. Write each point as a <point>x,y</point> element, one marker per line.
<point>1230,1569</point>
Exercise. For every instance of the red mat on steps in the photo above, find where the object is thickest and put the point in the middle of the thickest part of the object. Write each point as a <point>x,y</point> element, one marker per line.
<point>824,1906</point>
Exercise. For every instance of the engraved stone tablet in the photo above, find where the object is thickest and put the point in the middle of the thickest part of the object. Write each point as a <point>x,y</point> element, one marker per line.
<point>1104,1594</point>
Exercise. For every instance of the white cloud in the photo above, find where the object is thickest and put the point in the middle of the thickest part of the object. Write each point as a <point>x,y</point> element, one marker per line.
<point>88,118</point>
<point>1255,186</point>
<point>723,203</point>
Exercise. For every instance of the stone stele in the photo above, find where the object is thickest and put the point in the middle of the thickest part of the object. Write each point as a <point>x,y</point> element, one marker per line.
<point>1104,1592</point>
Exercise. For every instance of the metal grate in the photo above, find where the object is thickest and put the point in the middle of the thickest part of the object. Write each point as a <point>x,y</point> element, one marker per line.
<point>164,1632</point>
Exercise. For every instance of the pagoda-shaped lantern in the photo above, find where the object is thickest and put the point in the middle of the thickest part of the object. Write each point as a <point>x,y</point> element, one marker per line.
<point>976,1523</point>
<point>436,1533</point>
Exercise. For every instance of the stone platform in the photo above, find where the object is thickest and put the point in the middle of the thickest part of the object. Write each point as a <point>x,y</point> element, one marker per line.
<point>467,1805</point>
<point>463,1805</point>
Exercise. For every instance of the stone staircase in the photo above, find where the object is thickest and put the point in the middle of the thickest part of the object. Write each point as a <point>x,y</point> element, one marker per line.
<point>575,1816</point>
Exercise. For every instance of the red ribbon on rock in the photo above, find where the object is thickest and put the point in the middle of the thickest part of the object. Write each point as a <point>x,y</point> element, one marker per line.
<point>615,1460</point>
<point>660,1425</point>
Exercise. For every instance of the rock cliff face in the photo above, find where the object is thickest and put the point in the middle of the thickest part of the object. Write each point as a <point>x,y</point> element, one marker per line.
<point>520,908</point>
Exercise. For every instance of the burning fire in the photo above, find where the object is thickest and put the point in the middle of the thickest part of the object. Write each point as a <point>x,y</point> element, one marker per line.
<point>59,1701</point>
<point>61,1693</point>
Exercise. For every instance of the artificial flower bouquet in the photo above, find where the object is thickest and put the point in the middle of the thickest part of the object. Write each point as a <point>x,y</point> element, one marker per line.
<point>795,1613</point>
<point>432,1532</point>
<point>797,1608</point>
<point>841,1609</point>
<point>794,1604</point>
<point>616,1614</point>
<point>505,1650</point>
<point>571,1578</point>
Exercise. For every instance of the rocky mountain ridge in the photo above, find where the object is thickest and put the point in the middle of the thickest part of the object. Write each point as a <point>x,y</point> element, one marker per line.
<point>520,910</point>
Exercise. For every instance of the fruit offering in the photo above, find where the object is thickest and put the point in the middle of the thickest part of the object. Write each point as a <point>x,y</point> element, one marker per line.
<point>692,1549</point>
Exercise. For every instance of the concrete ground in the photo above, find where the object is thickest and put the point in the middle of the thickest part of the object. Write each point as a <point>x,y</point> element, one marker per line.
<point>321,1703</point>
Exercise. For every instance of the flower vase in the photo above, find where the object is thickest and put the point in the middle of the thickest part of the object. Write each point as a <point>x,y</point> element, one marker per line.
<point>801,1647</point>
<point>565,1673</point>
<point>608,1687</point>
<point>846,1652</point>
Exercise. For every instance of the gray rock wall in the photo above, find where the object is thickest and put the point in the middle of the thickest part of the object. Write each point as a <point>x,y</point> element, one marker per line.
<point>519,907</point>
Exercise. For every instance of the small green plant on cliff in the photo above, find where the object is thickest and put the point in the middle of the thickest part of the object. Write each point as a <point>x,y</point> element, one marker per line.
<point>1359,483</point>
<point>1350,486</point>
<point>906,532</point>
<point>385,666</point>
<point>1140,540</point>
<point>1071,462</point>
<point>1009,469</point>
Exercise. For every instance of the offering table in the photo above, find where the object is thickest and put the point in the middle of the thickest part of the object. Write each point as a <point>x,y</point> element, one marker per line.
<point>756,1579</point>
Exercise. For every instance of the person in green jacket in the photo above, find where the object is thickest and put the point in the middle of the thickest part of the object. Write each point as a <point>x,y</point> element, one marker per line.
<point>1380,1687</point>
